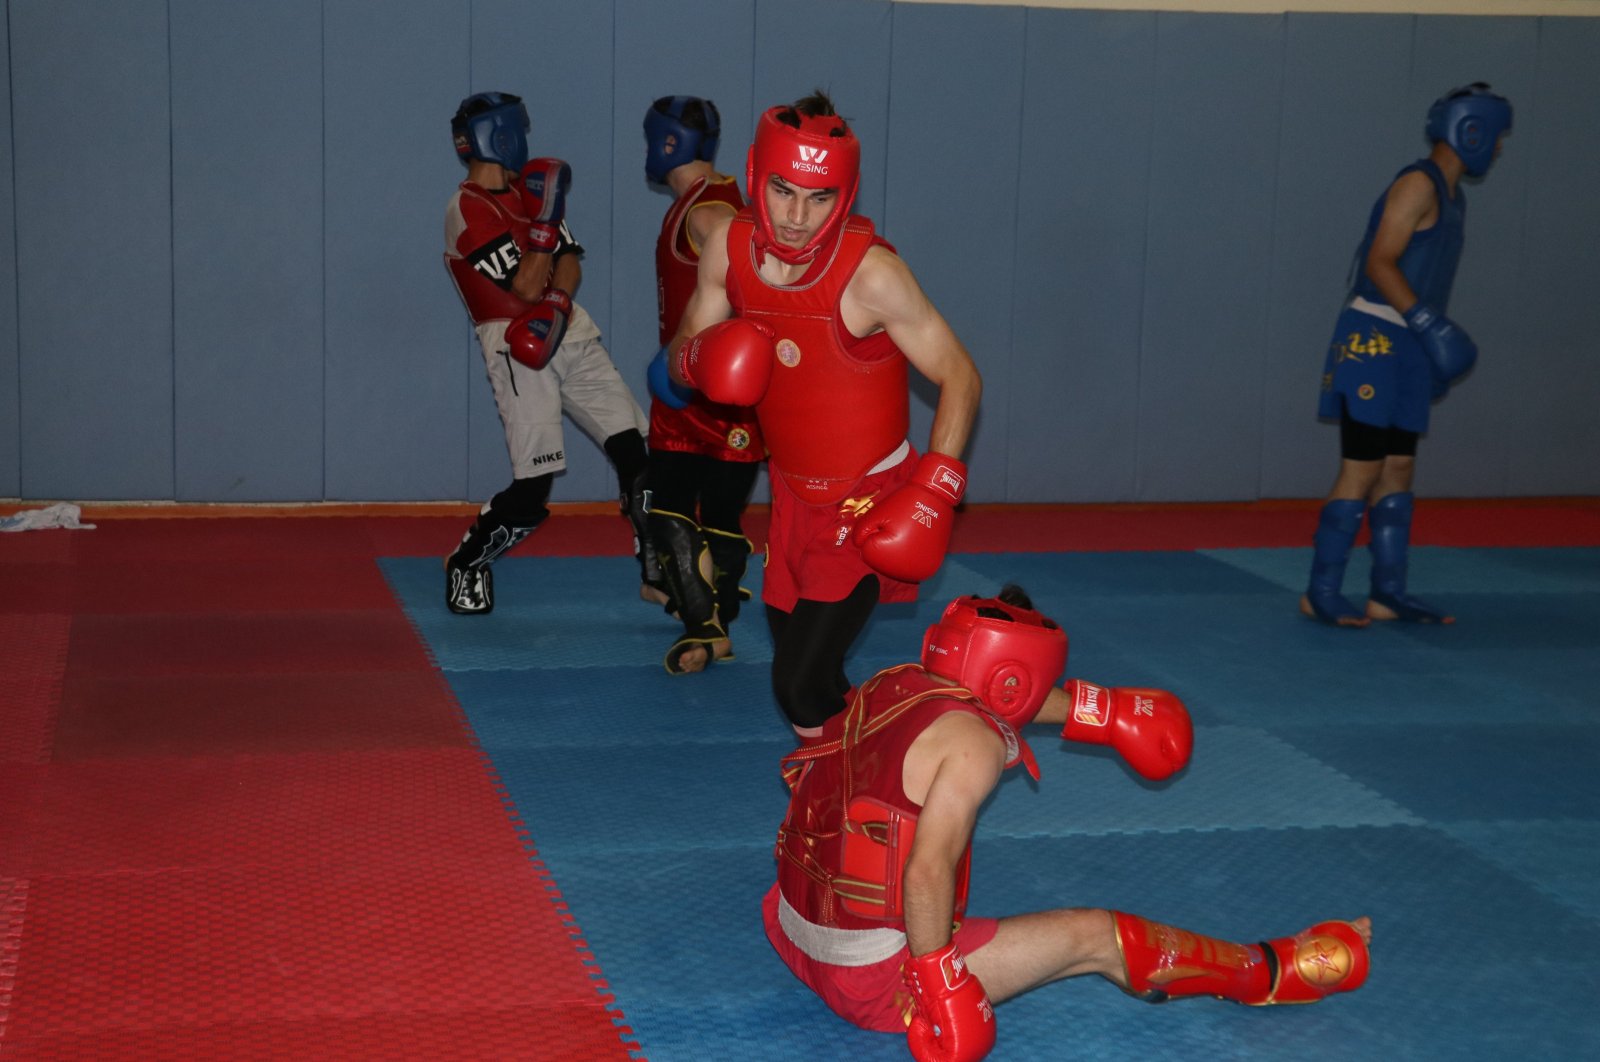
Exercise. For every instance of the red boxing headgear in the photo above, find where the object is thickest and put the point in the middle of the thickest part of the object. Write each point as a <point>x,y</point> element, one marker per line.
<point>1009,657</point>
<point>811,156</point>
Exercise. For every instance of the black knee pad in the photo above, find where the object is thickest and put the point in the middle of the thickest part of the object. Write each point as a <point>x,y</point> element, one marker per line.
<point>523,503</point>
<point>627,454</point>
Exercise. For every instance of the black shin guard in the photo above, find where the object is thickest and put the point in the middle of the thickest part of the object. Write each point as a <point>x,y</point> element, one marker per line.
<point>686,565</point>
<point>507,518</point>
<point>730,553</point>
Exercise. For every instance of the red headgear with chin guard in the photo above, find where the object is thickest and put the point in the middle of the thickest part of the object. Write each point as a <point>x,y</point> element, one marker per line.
<point>821,153</point>
<point>1009,657</point>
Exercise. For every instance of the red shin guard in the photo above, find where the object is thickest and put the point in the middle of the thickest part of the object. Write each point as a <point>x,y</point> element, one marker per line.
<point>1165,963</point>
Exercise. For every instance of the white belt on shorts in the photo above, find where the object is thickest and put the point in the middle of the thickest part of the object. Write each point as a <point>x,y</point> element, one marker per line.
<point>1378,309</point>
<point>838,947</point>
<point>893,459</point>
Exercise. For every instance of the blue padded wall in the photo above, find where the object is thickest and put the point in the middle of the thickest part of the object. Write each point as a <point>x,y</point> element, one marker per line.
<point>1552,449</point>
<point>398,365</point>
<point>950,207</point>
<point>1212,185</point>
<point>1166,207</point>
<point>1076,304</point>
<point>247,250</point>
<point>10,399</point>
<point>1467,449</point>
<point>1342,141</point>
<point>91,141</point>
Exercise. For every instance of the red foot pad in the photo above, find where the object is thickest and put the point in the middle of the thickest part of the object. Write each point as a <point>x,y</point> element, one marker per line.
<point>1166,963</point>
<point>1327,958</point>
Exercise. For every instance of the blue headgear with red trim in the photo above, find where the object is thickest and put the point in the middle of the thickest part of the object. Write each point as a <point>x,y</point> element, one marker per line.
<point>492,127</point>
<point>679,129</point>
<point>1470,120</point>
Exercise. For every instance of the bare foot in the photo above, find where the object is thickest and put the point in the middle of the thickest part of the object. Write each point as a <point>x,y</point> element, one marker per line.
<point>1384,614</point>
<point>695,658</point>
<point>1344,621</point>
<point>651,594</point>
<point>1363,926</point>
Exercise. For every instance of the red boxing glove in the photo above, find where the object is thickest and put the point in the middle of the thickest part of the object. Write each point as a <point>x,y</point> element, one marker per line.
<point>543,185</point>
<point>1151,728</point>
<point>535,336</point>
<point>906,535</point>
<point>730,362</point>
<point>954,1020</point>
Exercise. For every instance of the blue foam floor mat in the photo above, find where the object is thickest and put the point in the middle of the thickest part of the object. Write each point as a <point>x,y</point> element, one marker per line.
<point>1441,780</point>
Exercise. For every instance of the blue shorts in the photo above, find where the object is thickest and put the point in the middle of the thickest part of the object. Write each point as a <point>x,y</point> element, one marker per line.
<point>1377,371</point>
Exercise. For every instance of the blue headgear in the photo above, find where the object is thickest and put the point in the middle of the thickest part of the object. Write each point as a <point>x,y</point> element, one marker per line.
<point>492,127</point>
<point>679,129</point>
<point>1470,120</point>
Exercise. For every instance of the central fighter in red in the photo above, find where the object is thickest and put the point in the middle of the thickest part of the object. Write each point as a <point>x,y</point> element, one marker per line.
<point>803,312</point>
<point>874,855</point>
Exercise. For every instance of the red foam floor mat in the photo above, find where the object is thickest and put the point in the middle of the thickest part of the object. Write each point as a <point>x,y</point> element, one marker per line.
<point>241,816</point>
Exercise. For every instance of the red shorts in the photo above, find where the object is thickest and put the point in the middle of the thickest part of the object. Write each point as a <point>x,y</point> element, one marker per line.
<point>809,552</point>
<point>873,997</point>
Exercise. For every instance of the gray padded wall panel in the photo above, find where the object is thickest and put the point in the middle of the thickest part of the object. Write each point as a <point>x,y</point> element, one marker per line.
<point>94,254</point>
<point>10,398</point>
<point>1213,180</point>
<point>396,392</point>
<point>1554,445</point>
<point>247,250</point>
<point>1331,168</point>
<point>962,247</point>
<point>568,89</point>
<point>1467,451</point>
<point>1079,280</point>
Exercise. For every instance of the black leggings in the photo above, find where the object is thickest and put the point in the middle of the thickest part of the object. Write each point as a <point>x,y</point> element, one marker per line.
<point>808,651</point>
<point>710,492</point>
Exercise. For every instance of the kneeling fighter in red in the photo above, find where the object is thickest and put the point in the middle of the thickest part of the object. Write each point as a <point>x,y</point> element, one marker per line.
<point>869,908</point>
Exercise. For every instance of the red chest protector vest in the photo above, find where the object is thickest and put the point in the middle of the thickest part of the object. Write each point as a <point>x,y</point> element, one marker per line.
<point>837,404</point>
<point>487,252</point>
<point>843,845</point>
<point>726,433</point>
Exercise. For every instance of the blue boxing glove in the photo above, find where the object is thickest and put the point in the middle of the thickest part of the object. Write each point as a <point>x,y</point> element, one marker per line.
<point>662,387</point>
<point>1451,352</point>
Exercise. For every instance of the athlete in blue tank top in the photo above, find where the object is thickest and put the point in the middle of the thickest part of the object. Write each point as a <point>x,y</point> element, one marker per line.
<point>1394,352</point>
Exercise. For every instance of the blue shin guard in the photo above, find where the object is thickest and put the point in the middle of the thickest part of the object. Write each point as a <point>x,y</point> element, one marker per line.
<point>1336,533</point>
<point>1391,540</point>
